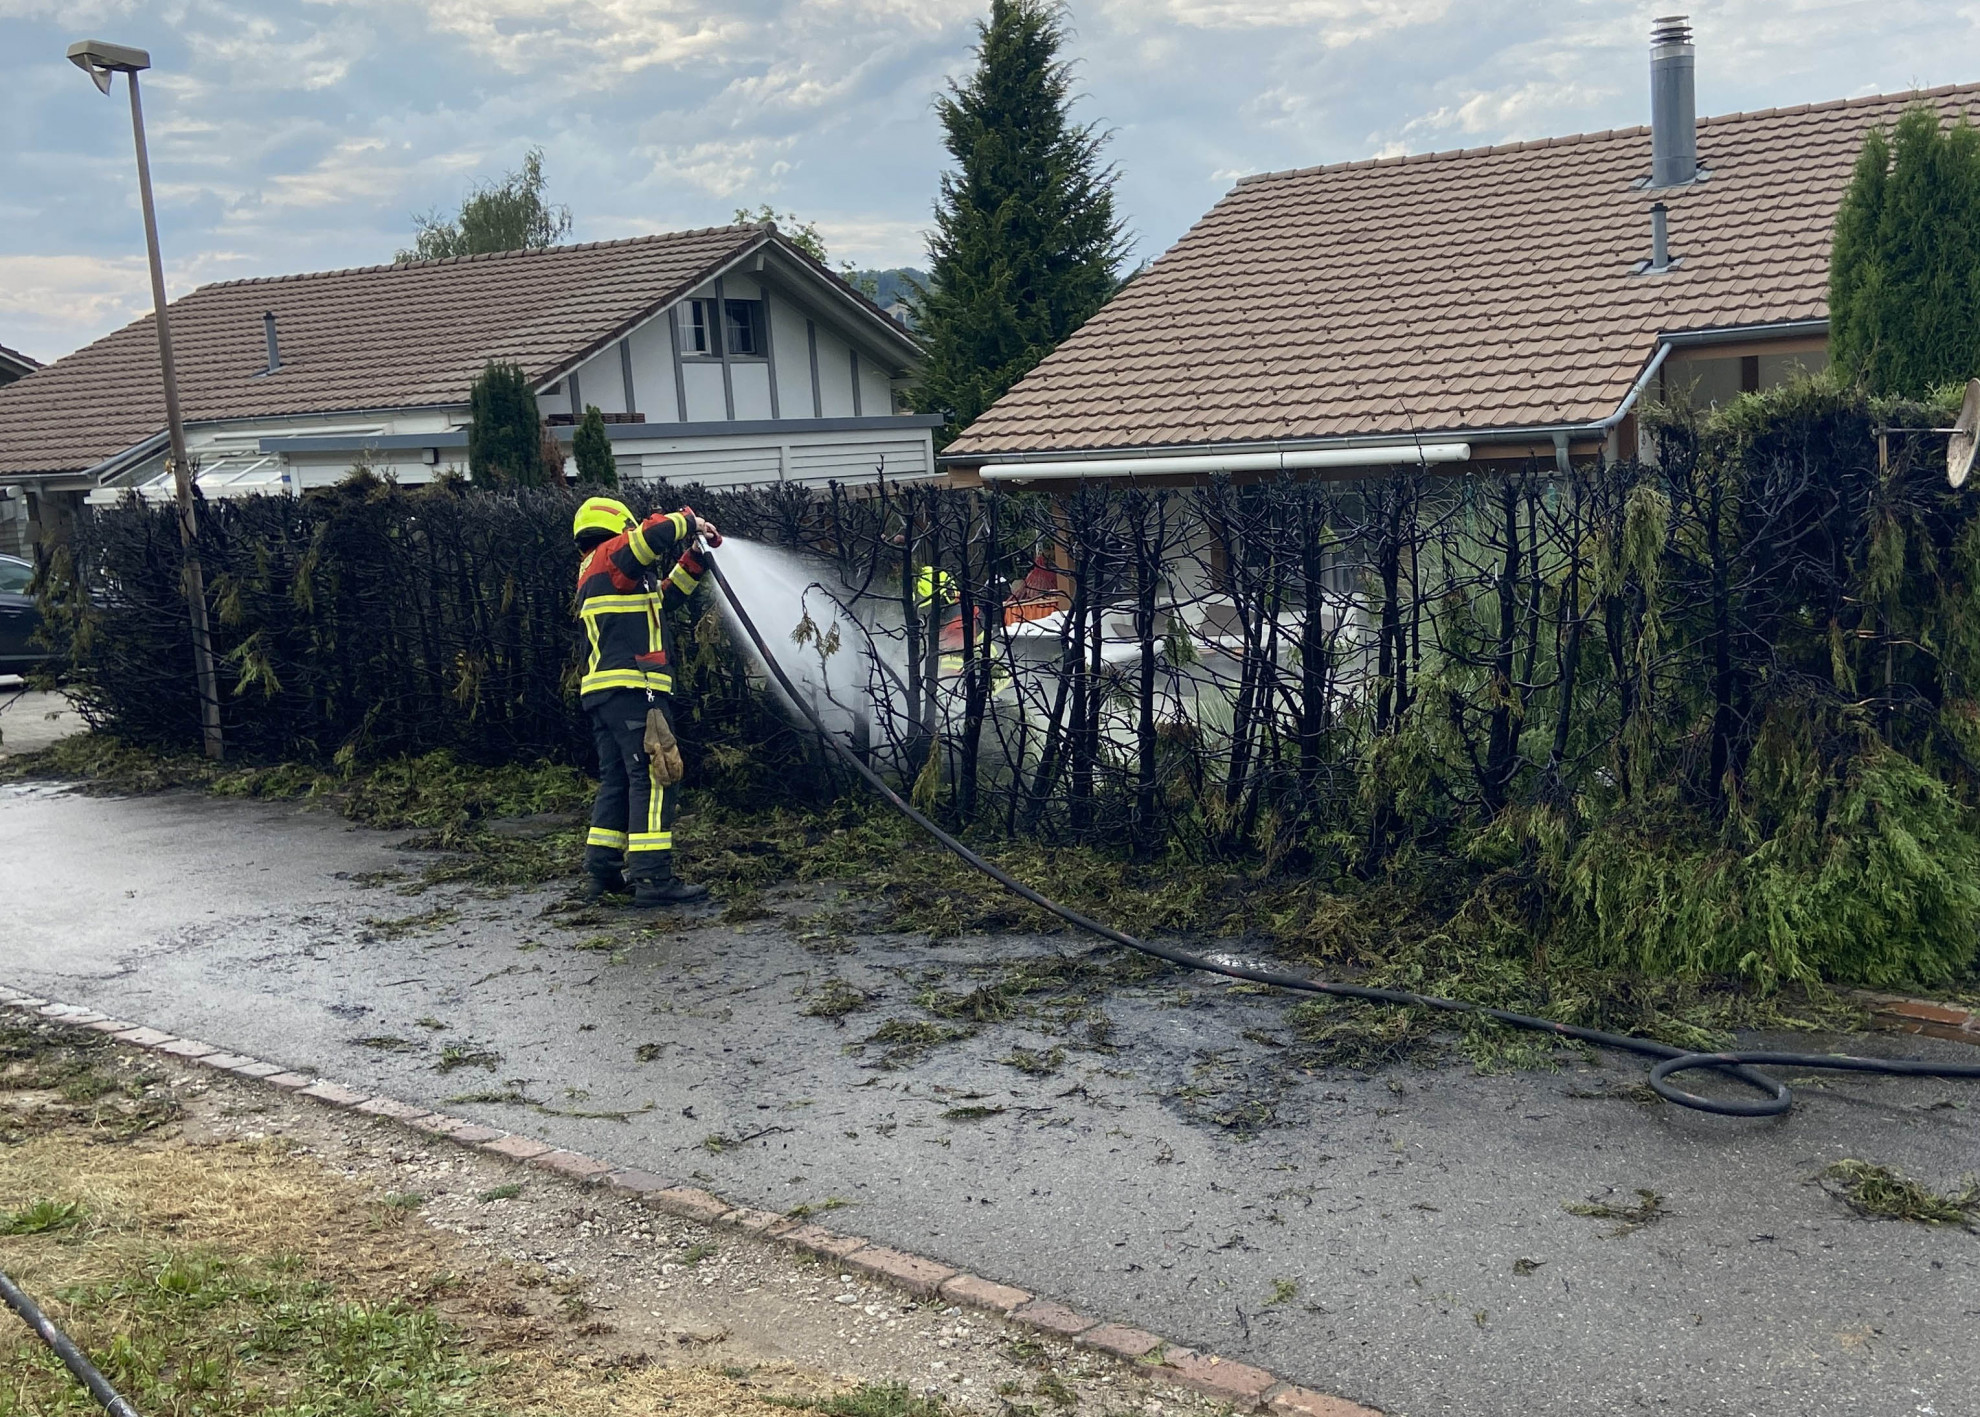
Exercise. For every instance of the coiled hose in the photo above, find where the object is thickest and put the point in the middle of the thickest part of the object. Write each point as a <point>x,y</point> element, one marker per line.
<point>1774,1097</point>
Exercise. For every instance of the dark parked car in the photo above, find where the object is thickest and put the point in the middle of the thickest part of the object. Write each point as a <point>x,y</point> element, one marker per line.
<point>19,618</point>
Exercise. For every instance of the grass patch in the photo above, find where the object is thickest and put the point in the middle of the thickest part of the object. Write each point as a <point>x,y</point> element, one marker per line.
<point>1885,1193</point>
<point>501,1193</point>
<point>231,1279</point>
<point>43,1217</point>
<point>882,1400</point>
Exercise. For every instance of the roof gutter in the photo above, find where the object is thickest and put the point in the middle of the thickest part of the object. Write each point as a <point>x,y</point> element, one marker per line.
<point>1209,464</point>
<point>130,457</point>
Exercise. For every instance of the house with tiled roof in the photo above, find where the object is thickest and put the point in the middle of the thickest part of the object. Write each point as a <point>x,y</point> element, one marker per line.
<point>1458,309</point>
<point>16,536</point>
<point>15,365</point>
<point>723,356</point>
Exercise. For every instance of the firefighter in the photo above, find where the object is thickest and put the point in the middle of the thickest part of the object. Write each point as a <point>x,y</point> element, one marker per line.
<point>627,690</point>
<point>932,584</point>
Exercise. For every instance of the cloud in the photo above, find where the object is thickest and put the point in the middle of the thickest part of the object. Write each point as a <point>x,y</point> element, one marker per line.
<point>45,300</point>
<point>606,39</point>
<point>875,242</point>
<point>721,168</point>
<point>1508,113</point>
<point>1334,22</point>
<point>293,135</point>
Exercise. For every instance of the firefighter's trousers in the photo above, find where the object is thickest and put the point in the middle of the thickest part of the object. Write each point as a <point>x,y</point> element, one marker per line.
<point>632,822</point>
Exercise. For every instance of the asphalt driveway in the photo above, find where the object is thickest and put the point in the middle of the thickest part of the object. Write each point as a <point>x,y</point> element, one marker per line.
<point>1399,1237</point>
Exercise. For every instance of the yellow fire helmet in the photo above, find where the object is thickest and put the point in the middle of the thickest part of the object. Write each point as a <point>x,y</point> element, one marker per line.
<point>606,514</point>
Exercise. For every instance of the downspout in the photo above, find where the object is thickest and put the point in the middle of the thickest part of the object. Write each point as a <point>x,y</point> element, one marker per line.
<point>1608,425</point>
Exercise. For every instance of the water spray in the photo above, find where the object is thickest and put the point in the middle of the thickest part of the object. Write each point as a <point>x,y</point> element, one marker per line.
<point>1773,1097</point>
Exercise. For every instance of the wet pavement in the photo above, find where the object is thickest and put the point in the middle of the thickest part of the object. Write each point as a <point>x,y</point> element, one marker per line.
<point>1400,1237</point>
<point>33,718</point>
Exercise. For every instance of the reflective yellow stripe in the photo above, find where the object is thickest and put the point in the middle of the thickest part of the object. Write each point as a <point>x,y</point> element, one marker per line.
<point>680,524</point>
<point>602,836</point>
<point>684,582</point>
<point>651,841</point>
<point>638,602</point>
<point>658,681</point>
<point>644,554</point>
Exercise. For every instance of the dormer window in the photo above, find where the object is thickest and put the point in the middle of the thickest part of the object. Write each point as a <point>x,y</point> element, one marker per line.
<point>710,326</point>
<point>699,329</point>
<point>743,327</point>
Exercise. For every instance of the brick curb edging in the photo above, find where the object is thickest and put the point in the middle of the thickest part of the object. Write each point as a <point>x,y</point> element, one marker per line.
<point>1925,1016</point>
<point>1244,1387</point>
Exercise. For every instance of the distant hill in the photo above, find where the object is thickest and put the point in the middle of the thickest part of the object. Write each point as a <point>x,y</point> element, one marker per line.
<point>890,289</point>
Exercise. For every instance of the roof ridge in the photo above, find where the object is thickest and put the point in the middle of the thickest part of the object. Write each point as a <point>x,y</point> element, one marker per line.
<point>1566,140</point>
<point>1825,105</point>
<point>484,256</point>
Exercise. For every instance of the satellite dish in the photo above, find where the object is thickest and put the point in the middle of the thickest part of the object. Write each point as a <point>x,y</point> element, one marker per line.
<point>1965,436</point>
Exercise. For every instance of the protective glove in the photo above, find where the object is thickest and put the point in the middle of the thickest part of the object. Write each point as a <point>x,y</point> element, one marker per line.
<point>662,748</point>
<point>700,526</point>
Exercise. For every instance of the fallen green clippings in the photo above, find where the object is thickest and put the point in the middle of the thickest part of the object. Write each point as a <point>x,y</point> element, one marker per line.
<point>972,1112</point>
<point>806,1210</point>
<point>1885,1193</point>
<point>907,1040</point>
<point>1033,1062</point>
<point>466,1055</point>
<point>438,918</point>
<point>1648,1210</point>
<point>87,1083</point>
<point>1436,931</point>
<point>834,999</point>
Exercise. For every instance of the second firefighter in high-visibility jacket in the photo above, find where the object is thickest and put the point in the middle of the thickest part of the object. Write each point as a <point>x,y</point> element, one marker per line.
<point>627,692</point>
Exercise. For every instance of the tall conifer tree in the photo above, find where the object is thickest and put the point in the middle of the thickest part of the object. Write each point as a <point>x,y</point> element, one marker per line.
<point>592,448</point>
<point>1026,244</point>
<point>505,433</point>
<point>1904,272</point>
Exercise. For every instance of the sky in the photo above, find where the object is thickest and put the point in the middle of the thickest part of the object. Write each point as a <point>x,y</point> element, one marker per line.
<point>299,135</point>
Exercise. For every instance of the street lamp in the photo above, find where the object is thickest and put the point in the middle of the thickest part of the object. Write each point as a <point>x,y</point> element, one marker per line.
<point>100,61</point>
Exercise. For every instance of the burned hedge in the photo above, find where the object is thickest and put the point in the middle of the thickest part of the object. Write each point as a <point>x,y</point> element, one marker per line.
<point>1717,711</point>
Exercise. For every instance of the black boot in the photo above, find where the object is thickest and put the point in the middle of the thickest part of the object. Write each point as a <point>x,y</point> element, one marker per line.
<point>599,884</point>
<point>665,890</point>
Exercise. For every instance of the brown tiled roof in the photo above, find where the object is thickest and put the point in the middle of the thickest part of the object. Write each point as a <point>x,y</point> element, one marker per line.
<point>1447,292</point>
<point>376,337</point>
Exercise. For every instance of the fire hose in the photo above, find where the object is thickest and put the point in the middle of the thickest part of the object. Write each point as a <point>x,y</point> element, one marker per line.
<point>71,1356</point>
<point>1774,1097</point>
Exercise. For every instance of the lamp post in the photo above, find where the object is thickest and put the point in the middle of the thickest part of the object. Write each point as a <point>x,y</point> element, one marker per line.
<point>100,60</point>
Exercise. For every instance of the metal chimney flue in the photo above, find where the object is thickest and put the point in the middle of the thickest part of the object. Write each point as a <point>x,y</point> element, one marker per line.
<point>1660,238</point>
<point>1673,103</point>
<point>274,350</point>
